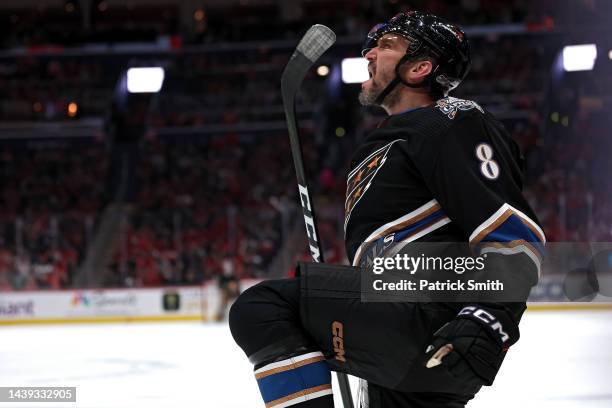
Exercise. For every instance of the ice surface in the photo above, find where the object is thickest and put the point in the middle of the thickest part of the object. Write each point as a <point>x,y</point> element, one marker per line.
<point>563,359</point>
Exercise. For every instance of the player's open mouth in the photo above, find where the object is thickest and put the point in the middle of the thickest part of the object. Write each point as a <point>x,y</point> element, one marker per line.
<point>371,71</point>
<point>370,75</point>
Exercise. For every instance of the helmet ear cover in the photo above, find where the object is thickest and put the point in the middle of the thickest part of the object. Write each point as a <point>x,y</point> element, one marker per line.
<point>412,54</point>
<point>416,50</point>
<point>420,53</point>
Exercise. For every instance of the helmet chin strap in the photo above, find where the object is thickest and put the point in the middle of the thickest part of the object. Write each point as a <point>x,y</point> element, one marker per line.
<point>381,97</point>
<point>398,80</point>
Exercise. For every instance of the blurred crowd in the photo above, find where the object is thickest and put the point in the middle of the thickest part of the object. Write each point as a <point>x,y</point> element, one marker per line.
<point>207,88</point>
<point>49,203</point>
<point>41,89</point>
<point>77,22</point>
<point>85,21</point>
<point>206,208</point>
<point>569,188</point>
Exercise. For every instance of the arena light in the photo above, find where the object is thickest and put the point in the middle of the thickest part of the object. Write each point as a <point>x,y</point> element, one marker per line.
<point>323,70</point>
<point>579,57</point>
<point>73,109</point>
<point>354,70</point>
<point>145,79</point>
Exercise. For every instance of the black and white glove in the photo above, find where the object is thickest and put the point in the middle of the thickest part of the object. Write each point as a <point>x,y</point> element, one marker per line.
<point>473,345</point>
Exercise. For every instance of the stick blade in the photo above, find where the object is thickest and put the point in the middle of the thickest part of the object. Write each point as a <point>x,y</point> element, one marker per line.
<point>316,41</point>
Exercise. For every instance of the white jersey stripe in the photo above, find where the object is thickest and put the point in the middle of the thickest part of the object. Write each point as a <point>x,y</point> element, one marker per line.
<point>303,398</point>
<point>427,230</point>
<point>289,361</point>
<point>382,231</point>
<point>388,227</point>
<point>440,223</point>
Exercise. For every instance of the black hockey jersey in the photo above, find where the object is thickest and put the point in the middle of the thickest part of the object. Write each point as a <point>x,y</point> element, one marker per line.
<point>448,172</point>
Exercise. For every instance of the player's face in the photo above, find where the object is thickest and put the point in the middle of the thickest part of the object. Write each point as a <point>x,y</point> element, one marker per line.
<point>382,60</point>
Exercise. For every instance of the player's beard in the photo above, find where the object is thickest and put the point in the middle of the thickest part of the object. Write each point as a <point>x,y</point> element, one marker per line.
<point>367,97</point>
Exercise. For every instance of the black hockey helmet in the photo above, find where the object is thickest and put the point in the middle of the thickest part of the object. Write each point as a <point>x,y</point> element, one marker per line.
<point>428,35</point>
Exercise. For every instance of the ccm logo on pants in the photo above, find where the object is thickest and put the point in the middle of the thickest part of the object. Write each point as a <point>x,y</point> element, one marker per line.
<point>338,340</point>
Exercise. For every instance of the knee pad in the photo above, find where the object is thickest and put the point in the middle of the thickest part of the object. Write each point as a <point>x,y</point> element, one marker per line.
<point>265,322</point>
<point>245,315</point>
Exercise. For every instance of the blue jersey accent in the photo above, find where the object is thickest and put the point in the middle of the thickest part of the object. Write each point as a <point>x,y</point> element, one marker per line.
<point>285,383</point>
<point>514,229</point>
<point>377,248</point>
<point>430,219</point>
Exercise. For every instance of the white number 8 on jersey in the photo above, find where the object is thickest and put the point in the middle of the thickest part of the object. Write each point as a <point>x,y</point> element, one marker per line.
<point>489,167</point>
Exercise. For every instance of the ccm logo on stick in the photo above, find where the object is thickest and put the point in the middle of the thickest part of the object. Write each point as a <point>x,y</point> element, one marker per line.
<point>338,340</point>
<point>488,319</point>
<point>310,227</point>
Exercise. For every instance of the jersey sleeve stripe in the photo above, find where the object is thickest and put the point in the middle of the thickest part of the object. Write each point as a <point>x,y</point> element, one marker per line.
<point>405,220</point>
<point>421,232</point>
<point>533,227</point>
<point>427,229</point>
<point>513,248</point>
<point>301,396</point>
<point>511,245</point>
<point>504,213</point>
<point>289,362</point>
<point>514,229</point>
<point>422,214</point>
<point>489,225</point>
<point>287,367</point>
<point>409,231</point>
<point>422,228</point>
<point>296,382</point>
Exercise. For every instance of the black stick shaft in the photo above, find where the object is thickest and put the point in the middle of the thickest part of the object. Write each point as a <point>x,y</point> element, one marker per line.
<point>313,235</point>
<point>290,81</point>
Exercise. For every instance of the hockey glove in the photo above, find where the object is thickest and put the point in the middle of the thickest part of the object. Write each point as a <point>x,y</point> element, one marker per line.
<point>473,345</point>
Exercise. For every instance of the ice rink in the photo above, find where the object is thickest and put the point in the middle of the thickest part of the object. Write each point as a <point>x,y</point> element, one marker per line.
<point>564,359</point>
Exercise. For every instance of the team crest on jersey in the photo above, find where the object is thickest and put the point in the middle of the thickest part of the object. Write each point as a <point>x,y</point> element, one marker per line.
<point>450,106</point>
<point>360,178</point>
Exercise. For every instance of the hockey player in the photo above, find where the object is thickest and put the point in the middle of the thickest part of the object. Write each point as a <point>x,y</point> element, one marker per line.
<point>438,169</point>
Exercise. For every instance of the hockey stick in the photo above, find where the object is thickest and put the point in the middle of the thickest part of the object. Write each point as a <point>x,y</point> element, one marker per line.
<point>314,43</point>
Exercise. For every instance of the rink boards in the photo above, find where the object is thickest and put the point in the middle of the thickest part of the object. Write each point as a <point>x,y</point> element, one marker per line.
<point>177,303</point>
